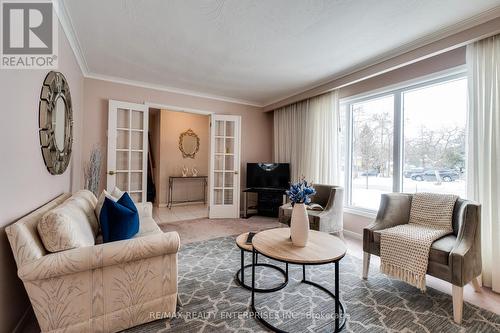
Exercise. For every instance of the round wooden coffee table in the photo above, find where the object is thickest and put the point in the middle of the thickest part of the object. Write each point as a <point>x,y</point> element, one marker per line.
<point>241,242</point>
<point>322,248</point>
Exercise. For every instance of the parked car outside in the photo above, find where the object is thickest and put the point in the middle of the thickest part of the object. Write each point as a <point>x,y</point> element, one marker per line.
<point>372,172</point>
<point>430,175</point>
<point>408,173</point>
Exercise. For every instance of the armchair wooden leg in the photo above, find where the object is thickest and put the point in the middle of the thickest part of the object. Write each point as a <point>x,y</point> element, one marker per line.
<point>366,264</point>
<point>476,284</point>
<point>458,303</point>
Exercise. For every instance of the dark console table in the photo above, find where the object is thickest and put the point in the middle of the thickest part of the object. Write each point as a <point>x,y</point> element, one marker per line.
<point>269,200</point>
<point>173,179</point>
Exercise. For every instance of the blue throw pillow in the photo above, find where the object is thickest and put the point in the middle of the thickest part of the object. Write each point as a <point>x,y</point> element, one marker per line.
<point>119,220</point>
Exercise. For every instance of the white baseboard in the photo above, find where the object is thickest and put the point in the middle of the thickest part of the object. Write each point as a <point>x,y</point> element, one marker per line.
<point>352,234</point>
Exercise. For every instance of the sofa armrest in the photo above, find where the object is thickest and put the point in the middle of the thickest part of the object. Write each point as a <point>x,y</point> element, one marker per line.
<point>332,216</point>
<point>145,209</point>
<point>465,257</point>
<point>98,256</point>
<point>394,210</point>
<point>335,201</point>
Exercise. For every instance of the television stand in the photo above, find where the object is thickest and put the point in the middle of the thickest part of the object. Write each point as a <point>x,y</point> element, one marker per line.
<point>269,200</point>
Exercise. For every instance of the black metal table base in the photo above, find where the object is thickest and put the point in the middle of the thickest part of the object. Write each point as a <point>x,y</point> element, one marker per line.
<point>340,319</point>
<point>240,275</point>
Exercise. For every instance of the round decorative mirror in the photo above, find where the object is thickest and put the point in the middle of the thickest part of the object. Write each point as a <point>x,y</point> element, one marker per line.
<point>56,123</point>
<point>189,143</point>
<point>59,123</point>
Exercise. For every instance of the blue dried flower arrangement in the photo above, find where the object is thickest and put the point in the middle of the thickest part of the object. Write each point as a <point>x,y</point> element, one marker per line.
<point>300,192</point>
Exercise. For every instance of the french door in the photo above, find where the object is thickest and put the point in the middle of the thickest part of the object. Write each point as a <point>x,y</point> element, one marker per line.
<point>225,137</point>
<point>128,148</point>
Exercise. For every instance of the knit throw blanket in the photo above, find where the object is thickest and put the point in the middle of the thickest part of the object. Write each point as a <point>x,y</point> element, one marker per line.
<point>404,249</point>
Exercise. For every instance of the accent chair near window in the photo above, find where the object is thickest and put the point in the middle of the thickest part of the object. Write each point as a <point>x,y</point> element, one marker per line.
<point>455,258</point>
<point>330,219</point>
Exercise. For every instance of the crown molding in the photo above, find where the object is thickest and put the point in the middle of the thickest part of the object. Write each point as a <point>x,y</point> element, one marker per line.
<point>434,37</point>
<point>69,31</point>
<point>444,32</point>
<point>68,28</point>
<point>147,85</point>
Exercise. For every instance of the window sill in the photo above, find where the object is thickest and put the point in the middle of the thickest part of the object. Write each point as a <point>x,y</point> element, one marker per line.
<point>368,213</point>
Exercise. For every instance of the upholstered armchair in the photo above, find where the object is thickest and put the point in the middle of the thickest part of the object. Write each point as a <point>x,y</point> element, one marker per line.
<point>455,258</point>
<point>330,220</point>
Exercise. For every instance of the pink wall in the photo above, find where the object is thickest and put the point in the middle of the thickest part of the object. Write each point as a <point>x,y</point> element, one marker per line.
<point>170,160</point>
<point>26,184</point>
<point>256,131</point>
<point>428,66</point>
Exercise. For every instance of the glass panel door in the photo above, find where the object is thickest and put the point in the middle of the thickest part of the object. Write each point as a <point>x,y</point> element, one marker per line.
<point>127,148</point>
<point>224,189</point>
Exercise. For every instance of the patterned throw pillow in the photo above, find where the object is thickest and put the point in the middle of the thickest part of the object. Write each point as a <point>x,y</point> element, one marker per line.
<point>118,219</point>
<point>66,227</point>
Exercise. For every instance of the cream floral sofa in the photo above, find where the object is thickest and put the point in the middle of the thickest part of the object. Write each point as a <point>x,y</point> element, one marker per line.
<point>101,288</point>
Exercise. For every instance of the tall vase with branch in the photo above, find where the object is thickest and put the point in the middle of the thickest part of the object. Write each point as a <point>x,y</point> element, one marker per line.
<point>92,171</point>
<point>300,195</point>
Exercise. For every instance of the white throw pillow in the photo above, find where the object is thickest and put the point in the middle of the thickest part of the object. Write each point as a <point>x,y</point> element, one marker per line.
<point>117,193</point>
<point>66,227</point>
<point>100,202</point>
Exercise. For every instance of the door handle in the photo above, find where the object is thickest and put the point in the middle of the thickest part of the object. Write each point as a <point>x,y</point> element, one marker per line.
<point>235,172</point>
<point>111,173</point>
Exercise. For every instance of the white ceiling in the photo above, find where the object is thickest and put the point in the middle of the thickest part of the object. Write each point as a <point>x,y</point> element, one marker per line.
<point>253,50</point>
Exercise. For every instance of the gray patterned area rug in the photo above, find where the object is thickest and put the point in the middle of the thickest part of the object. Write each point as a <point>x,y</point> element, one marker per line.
<point>214,302</point>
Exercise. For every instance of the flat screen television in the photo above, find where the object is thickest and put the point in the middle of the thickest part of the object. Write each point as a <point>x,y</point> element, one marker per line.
<point>268,175</point>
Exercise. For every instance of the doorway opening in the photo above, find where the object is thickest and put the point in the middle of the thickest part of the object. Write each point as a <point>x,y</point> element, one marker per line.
<point>178,164</point>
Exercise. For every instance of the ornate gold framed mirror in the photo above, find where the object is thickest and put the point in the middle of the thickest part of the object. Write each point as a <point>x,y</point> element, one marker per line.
<point>189,143</point>
<point>56,123</point>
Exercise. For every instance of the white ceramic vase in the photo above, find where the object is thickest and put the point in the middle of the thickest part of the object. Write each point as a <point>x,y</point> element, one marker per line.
<point>299,225</point>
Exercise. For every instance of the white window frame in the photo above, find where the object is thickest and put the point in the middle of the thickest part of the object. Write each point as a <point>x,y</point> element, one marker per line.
<point>398,135</point>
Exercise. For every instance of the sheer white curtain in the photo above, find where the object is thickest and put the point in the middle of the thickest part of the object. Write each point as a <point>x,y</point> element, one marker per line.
<point>483,61</point>
<point>306,135</point>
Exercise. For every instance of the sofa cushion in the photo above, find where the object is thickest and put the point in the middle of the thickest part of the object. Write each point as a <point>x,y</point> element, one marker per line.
<point>119,220</point>
<point>67,226</point>
<point>147,227</point>
<point>440,249</point>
